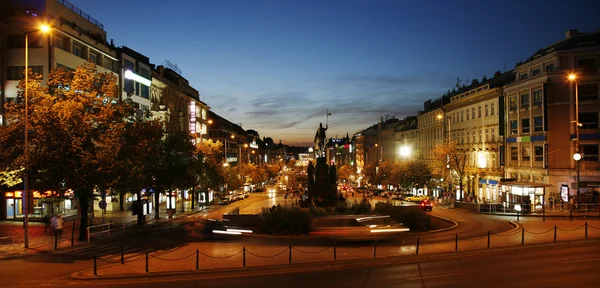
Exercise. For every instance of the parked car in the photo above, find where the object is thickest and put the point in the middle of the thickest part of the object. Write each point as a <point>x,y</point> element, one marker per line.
<point>240,196</point>
<point>259,189</point>
<point>224,201</point>
<point>426,205</point>
<point>246,194</point>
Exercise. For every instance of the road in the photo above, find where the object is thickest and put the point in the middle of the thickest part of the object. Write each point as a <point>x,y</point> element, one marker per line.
<point>179,233</point>
<point>561,266</point>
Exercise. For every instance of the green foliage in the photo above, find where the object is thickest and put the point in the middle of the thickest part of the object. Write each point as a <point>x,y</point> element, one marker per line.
<point>285,220</point>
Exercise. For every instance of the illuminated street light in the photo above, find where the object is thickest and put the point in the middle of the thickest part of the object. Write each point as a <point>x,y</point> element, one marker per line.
<point>577,156</point>
<point>25,196</point>
<point>405,151</point>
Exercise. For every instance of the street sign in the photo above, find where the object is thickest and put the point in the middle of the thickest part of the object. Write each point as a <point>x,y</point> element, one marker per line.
<point>102,204</point>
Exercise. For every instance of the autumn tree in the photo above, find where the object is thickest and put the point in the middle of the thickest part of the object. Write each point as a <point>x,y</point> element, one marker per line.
<point>75,123</point>
<point>454,159</point>
<point>346,172</point>
<point>208,169</point>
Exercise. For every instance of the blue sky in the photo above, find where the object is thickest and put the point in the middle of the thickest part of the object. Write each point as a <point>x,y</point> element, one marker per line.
<point>276,66</point>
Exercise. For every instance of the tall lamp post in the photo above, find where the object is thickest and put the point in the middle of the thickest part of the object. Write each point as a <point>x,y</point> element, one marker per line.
<point>44,29</point>
<point>577,156</point>
<point>447,122</point>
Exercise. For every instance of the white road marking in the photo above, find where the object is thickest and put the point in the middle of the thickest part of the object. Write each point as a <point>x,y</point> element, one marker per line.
<point>579,261</point>
<point>436,276</point>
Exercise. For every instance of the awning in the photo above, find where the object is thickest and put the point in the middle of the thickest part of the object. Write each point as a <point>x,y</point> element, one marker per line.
<point>526,184</point>
<point>487,181</point>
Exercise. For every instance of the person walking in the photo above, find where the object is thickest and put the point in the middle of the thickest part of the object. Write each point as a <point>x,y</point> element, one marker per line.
<point>59,225</point>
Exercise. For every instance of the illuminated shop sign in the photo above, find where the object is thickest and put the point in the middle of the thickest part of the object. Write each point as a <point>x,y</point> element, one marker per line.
<point>137,78</point>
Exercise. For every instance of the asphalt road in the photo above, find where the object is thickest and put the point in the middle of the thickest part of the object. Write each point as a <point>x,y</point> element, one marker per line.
<point>563,265</point>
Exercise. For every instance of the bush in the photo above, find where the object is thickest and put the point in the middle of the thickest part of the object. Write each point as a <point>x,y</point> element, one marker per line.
<point>413,217</point>
<point>285,220</point>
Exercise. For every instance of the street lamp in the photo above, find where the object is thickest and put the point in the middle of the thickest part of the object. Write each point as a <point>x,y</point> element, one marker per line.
<point>44,29</point>
<point>577,156</point>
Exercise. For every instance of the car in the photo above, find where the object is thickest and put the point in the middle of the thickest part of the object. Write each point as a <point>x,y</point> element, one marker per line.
<point>414,198</point>
<point>240,196</point>
<point>426,205</point>
<point>224,201</point>
<point>357,227</point>
<point>259,189</point>
<point>246,194</point>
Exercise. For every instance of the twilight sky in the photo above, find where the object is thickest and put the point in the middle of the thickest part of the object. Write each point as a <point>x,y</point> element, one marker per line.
<point>276,66</point>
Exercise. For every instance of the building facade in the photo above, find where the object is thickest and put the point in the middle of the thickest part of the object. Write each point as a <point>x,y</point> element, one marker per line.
<point>542,112</point>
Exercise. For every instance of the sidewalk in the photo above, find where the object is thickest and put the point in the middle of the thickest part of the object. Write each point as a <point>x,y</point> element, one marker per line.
<point>11,232</point>
<point>201,257</point>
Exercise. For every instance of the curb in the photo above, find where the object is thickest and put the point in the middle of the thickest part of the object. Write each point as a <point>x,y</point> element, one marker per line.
<point>444,229</point>
<point>325,265</point>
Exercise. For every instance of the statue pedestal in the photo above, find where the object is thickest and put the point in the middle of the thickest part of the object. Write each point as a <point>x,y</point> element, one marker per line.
<point>322,191</point>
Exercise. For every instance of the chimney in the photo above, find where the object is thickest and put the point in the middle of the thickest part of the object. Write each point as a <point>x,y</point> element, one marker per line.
<point>570,33</point>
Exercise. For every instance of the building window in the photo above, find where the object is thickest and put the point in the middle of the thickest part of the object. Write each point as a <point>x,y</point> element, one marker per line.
<point>467,114</point>
<point>493,135</point>
<point>535,72</point>
<point>128,85</point>
<point>473,113</point>
<point>513,103</point>
<point>523,76</point>
<point>94,57</point>
<point>145,90</point>
<point>16,72</point>
<point>587,65</point>
<point>587,91</point>
<point>539,153</point>
<point>78,50</point>
<point>549,67</point>
<point>590,152</point>
<point>537,97</point>
<point>514,127</point>
<point>468,136</point>
<point>525,126</point>
<point>462,116</point>
<point>514,153</point>
<point>524,100</point>
<point>480,135</point>
<point>473,134</point>
<point>61,42</point>
<point>526,155</point>
<point>538,124</point>
<point>487,135</point>
<point>478,111</point>
<point>486,110</point>
<point>588,120</point>
<point>492,109</point>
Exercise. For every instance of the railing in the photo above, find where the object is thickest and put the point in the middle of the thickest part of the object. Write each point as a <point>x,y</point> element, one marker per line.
<point>79,12</point>
<point>107,230</point>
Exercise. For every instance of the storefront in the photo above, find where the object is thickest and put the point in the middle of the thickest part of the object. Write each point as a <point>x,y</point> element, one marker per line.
<point>489,191</point>
<point>524,196</point>
<point>44,204</point>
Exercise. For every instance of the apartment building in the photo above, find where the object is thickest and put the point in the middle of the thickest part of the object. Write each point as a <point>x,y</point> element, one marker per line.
<point>179,103</point>
<point>135,79</point>
<point>473,118</point>
<point>406,138</point>
<point>432,130</point>
<point>542,112</point>
<point>75,38</point>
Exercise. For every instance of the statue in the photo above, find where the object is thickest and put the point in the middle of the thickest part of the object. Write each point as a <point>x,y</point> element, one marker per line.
<point>320,138</point>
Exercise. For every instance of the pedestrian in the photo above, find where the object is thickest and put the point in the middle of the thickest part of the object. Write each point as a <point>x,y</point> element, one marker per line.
<point>53,223</point>
<point>59,225</point>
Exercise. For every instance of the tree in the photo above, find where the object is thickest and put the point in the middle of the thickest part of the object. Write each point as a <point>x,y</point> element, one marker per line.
<point>418,173</point>
<point>346,172</point>
<point>208,169</point>
<point>138,161</point>
<point>177,167</point>
<point>75,125</point>
<point>448,155</point>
